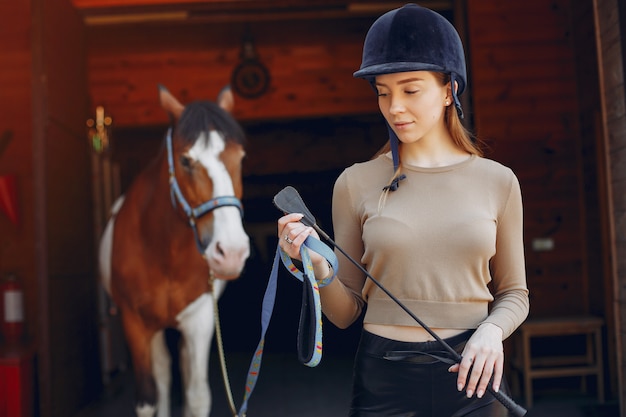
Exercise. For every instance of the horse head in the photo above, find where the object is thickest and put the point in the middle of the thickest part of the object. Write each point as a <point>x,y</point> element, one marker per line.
<point>205,153</point>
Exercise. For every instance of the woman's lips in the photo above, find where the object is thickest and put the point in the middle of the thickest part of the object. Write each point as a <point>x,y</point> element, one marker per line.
<point>401,125</point>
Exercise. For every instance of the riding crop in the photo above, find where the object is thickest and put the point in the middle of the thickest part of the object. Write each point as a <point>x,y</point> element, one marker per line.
<point>289,201</point>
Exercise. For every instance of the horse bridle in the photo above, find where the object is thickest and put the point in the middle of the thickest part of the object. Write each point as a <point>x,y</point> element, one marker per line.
<point>196,212</point>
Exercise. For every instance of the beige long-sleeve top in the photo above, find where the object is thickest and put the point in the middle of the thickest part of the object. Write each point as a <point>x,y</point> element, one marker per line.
<point>448,243</point>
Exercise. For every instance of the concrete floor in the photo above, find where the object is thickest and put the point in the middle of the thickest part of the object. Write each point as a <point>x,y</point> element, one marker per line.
<point>287,388</point>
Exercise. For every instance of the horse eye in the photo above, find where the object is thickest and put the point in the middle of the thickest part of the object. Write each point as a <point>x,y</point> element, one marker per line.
<point>185,161</point>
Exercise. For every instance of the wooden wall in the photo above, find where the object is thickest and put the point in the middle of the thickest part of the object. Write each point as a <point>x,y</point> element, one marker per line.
<point>310,65</point>
<point>524,91</point>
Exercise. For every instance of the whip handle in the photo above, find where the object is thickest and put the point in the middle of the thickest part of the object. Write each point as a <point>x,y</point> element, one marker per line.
<point>516,409</point>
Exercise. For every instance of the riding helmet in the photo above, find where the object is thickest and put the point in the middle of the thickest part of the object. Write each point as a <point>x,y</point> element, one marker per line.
<point>413,38</point>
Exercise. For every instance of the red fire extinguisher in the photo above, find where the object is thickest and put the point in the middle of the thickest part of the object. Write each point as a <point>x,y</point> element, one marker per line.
<point>12,308</point>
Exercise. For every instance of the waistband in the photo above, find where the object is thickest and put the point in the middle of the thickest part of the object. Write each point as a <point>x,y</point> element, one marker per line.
<point>415,352</point>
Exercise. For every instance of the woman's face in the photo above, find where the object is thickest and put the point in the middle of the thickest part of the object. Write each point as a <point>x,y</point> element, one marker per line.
<point>413,103</point>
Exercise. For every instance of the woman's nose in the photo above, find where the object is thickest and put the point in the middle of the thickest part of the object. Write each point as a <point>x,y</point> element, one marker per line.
<point>396,106</point>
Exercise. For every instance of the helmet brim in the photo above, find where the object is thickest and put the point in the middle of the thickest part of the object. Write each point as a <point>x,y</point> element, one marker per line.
<point>393,67</point>
<point>370,72</point>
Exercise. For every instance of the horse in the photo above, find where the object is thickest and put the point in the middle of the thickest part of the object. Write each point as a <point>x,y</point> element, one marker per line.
<point>172,242</point>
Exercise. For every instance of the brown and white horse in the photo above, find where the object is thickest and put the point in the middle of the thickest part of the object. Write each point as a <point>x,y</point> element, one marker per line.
<point>179,223</point>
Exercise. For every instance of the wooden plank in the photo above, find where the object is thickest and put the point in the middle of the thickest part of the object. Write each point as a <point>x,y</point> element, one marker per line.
<point>230,4</point>
<point>118,13</point>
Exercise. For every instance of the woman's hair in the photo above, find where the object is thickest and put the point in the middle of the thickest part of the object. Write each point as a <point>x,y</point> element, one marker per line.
<point>462,137</point>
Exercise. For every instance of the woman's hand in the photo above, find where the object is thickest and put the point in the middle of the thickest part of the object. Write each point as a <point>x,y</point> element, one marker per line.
<point>292,234</point>
<point>483,358</point>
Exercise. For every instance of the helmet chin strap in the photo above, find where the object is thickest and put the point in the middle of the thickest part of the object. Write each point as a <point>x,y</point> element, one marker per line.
<point>455,97</point>
<point>394,142</point>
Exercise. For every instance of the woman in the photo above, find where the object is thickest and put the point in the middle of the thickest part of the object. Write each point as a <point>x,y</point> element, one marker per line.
<point>438,225</point>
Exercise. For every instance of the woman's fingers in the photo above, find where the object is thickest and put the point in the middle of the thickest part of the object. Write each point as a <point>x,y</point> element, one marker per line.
<point>284,221</point>
<point>477,371</point>
<point>478,368</point>
<point>483,361</point>
<point>480,379</point>
<point>497,374</point>
<point>463,368</point>
<point>292,234</point>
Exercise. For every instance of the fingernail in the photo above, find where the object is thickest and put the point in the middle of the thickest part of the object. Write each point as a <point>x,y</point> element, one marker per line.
<point>470,393</point>
<point>496,388</point>
<point>480,393</point>
<point>459,387</point>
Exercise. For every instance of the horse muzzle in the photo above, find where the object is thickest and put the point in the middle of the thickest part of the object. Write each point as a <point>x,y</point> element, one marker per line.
<point>228,260</point>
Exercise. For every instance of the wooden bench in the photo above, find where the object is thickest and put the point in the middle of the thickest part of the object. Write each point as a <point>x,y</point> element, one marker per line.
<point>532,367</point>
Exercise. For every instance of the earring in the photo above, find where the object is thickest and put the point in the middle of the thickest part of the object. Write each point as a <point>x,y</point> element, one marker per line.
<point>447,102</point>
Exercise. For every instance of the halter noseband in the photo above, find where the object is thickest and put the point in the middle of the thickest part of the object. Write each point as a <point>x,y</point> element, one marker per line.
<point>202,209</point>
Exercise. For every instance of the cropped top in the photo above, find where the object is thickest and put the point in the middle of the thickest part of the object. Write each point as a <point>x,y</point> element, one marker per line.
<point>448,243</point>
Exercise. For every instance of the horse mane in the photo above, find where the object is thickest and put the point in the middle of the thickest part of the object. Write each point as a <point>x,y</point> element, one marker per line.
<point>204,116</point>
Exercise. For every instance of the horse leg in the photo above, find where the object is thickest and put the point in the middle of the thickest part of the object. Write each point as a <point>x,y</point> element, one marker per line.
<point>161,369</point>
<point>185,364</point>
<point>196,325</point>
<point>139,340</point>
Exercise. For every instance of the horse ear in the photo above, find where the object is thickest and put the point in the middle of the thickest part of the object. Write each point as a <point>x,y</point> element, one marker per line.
<point>226,99</point>
<point>170,103</point>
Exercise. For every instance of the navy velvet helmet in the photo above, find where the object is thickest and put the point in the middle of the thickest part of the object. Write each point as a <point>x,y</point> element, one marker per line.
<point>413,38</point>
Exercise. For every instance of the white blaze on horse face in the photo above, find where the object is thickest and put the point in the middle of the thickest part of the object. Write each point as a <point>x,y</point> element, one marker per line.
<point>229,247</point>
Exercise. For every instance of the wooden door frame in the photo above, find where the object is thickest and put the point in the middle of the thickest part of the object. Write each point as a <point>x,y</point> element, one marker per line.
<point>607,168</point>
<point>39,111</point>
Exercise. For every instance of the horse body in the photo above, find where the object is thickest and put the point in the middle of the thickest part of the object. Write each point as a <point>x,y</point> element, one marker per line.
<point>151,263</point>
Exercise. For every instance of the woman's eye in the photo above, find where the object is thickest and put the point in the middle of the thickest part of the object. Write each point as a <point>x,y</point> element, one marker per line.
<point>412,91</point>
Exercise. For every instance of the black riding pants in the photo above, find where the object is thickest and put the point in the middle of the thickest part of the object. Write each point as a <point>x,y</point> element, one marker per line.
<point>386,383</point>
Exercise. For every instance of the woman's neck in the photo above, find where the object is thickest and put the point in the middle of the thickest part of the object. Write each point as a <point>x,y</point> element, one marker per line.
<point>432,154</point>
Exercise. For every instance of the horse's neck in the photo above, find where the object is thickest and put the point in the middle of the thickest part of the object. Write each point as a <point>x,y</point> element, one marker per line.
<point>151,191</point>
<point>152,183</point>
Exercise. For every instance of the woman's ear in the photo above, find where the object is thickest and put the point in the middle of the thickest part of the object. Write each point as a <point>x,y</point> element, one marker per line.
<point>449,96</point>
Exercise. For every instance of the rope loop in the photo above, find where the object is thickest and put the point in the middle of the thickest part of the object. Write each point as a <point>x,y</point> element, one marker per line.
<point>310,313</point>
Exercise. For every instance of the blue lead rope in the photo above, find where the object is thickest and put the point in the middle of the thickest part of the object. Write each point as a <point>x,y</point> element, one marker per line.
<point>310,303</point>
